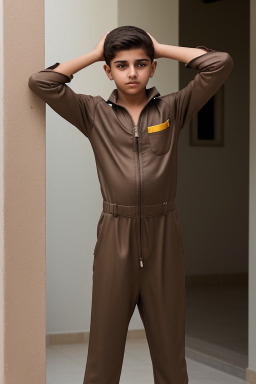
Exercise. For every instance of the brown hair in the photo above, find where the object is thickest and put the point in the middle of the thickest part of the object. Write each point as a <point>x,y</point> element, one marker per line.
<point>127,37</point>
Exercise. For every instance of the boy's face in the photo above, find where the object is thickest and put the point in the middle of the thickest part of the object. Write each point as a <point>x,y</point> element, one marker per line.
<point>131,70</point>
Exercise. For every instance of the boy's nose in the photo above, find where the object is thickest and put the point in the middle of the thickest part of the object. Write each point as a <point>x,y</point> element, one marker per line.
<point>132,71</point>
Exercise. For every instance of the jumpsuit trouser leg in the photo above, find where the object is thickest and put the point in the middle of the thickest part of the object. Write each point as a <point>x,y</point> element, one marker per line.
<point>114,296</point>
<point>162,298</point>
<point>158,288</point>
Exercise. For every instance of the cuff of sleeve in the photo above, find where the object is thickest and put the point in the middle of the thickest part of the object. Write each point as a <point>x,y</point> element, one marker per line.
<point>49,69</point>
<point>200,47</point>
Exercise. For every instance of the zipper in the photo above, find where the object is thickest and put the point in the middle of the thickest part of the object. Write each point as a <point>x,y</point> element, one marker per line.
<point>136,134</point>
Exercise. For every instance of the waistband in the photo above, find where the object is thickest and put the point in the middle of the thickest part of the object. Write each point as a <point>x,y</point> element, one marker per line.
<point>134,210</point>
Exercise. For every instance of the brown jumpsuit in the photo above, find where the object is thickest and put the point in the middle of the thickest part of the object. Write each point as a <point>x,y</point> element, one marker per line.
<point>139,255</point>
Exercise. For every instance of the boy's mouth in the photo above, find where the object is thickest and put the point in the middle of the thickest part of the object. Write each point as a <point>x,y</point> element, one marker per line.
<point>132,83</point>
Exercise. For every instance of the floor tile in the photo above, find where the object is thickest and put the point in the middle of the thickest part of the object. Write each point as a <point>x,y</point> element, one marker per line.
<point>66,364</point>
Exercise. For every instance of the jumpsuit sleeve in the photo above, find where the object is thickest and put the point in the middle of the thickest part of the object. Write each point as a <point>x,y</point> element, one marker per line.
<point>77,109</point>
<point>213,69</point>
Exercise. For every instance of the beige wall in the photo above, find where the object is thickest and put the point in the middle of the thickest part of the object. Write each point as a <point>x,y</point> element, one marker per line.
<point>22,281</point>
<point>212,193</point>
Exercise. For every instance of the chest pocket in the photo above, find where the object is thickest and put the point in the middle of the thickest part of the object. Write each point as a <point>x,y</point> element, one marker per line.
<point>160,138</point>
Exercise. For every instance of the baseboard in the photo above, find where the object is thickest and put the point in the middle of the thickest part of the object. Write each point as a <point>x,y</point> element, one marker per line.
<point>217,357</point>
<point>83,337</point>
<point>216,279</point>
<point>67,338</point>
<point>250,376</point>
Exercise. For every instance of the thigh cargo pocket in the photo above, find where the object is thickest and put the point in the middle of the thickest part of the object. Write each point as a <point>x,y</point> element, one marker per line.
<point>160,138</point>
<point>99,232</point>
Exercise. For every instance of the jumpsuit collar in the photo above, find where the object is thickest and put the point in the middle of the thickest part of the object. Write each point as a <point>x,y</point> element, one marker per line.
<point>151,93</point>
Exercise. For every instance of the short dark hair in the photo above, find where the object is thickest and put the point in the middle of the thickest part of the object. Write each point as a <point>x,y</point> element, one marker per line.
<point>127,37</point>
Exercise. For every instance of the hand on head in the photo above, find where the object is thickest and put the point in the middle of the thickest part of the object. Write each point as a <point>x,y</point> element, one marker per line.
<point>99,47</point>
<point>157,46</point>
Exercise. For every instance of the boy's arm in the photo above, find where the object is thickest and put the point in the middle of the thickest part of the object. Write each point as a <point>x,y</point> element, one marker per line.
<point>49,85</point>
<point>213,69</point>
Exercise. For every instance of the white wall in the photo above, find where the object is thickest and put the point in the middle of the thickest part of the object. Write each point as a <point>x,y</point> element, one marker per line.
<point>73,195</point>
<point>161,20</point>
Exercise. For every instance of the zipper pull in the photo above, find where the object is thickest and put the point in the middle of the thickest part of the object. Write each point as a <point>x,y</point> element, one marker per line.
<point>141,263</point>
<point>136,131</point>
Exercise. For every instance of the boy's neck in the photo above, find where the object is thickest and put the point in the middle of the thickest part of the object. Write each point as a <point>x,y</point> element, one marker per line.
<point>132,101</point>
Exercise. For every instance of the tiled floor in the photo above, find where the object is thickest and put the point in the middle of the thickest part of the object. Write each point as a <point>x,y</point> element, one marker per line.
<point>66,364</point>
<point>216,333</point>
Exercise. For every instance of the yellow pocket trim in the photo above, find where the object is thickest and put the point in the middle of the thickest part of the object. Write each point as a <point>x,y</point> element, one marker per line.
<point>159,127</point>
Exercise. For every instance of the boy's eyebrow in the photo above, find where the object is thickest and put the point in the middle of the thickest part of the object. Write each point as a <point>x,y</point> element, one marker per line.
<point>125,61</point>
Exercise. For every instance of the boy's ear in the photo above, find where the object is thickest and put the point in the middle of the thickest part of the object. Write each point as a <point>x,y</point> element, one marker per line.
<point>108,71</point>
<point>153,68</point>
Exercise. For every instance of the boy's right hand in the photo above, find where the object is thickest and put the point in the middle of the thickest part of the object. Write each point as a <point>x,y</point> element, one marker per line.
<point>157,47</point>
<point>99,48</point>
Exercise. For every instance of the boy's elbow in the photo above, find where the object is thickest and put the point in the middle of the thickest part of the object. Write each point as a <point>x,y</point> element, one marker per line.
<point>227,61</point>
<point>32,82</point>
<point>35,82</point>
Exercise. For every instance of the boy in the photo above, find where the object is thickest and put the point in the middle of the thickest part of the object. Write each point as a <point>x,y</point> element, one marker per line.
<point>138,255</point>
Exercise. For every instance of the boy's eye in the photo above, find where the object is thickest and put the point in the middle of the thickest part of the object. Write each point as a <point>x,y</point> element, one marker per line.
<point>140,65</point>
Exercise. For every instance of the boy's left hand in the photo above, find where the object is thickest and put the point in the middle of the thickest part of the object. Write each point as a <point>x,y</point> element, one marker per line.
<point>157,46</point>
